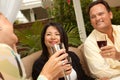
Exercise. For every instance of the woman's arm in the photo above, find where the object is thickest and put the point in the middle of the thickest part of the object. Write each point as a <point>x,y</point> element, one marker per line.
<point>54,67</point>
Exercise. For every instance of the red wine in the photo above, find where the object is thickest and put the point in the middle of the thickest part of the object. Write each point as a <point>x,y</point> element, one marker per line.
<point>101,43</point>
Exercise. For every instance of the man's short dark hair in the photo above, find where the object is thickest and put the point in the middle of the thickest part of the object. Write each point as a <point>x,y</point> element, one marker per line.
<point>98,2</point>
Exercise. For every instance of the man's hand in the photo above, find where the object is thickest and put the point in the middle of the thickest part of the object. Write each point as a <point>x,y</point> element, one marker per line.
<point>110,52</point>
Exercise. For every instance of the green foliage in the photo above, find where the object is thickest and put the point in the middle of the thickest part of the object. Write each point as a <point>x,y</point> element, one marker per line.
<point>29,39</point>
<point>116,16</point>
<point>64,14</point>
<point>73,35</point>
<point>84,5</point>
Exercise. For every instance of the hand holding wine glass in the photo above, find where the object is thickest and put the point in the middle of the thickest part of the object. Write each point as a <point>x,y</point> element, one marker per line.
<point>102,44</point>
<point>101,41</point>
<point>56,48</point>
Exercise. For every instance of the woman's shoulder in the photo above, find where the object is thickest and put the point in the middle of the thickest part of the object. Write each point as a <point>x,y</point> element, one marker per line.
<point>40,61</point>
<point>73,55</point>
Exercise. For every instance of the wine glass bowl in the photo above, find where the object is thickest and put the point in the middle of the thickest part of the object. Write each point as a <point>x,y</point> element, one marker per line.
<point>101,40</point>
<point>102,43</point>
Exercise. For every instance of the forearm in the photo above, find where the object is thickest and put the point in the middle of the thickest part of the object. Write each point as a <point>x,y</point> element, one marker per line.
<point>45,75</point>
<point>102,69</point>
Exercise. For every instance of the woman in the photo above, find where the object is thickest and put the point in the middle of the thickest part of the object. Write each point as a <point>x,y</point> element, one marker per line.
<point>53,33</point>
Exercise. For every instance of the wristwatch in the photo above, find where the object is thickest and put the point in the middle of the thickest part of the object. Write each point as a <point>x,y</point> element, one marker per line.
<point>41,77</point>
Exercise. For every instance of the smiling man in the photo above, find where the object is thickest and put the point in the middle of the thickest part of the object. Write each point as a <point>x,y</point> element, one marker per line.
<point>101,61</point>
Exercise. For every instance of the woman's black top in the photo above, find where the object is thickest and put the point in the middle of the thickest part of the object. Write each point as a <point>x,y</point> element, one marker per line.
<point>39,63</point>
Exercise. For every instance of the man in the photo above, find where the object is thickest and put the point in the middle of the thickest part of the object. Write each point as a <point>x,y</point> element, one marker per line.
<point>11,67</point>
<point>104,61</point>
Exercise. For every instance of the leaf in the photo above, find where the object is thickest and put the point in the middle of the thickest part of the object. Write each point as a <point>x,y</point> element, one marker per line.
<point>30,38</point>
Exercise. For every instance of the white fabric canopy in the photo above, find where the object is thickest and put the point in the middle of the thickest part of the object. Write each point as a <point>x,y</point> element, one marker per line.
<point>10,8</point>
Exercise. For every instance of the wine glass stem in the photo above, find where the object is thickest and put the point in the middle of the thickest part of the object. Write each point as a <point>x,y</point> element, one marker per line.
<point>68,77</point>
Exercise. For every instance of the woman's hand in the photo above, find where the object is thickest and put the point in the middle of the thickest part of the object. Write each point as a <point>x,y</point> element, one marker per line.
<point>66,68</point>
<point>55,66</point>
<point>110,52</point>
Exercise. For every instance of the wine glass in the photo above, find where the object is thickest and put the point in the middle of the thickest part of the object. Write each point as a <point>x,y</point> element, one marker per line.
<point>101,40</point>
<point>57,47</point>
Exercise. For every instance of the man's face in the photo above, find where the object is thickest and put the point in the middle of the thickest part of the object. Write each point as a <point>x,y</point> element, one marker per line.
<point>100,18</point>
<point>7,35</point>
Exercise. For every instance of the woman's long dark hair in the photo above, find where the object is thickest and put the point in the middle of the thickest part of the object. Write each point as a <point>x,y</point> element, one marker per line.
<point>63,38</point>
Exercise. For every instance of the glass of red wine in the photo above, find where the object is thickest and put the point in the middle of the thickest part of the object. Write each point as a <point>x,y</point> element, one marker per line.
<point>57,47</point>
<point>101,41</point>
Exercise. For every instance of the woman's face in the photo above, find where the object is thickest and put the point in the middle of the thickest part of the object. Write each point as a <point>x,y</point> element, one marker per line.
<point>52,36</point>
